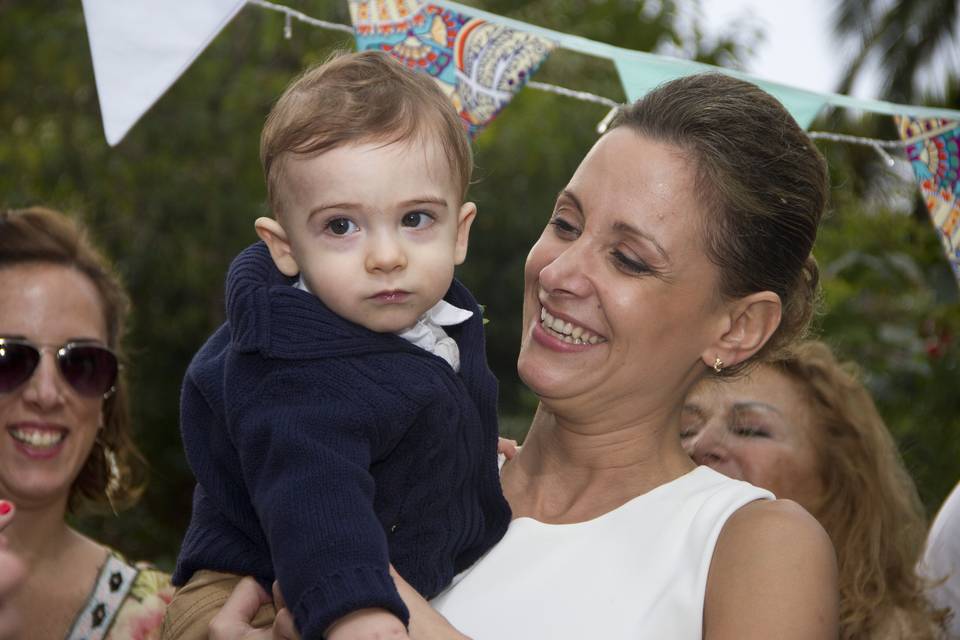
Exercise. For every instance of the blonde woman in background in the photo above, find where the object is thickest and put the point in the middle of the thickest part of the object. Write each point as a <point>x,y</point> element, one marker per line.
<point>804,427</point>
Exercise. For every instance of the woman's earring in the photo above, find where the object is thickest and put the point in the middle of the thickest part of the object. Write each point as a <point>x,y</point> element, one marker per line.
<point>113,475</point>
<point>718,365</point>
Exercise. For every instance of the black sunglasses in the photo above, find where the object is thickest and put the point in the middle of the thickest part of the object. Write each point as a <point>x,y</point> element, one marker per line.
<point>90,369</point>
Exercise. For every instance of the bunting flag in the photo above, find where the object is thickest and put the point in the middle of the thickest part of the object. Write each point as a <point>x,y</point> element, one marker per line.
<point>140,48</point>
<point>933,147</point>
<point>478,64</point>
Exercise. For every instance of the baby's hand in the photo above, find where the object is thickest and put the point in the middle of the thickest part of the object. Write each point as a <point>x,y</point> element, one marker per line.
<point>507,447</point>
<point>367,624</point>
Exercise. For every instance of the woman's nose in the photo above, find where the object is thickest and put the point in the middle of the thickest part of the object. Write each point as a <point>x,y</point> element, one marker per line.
<point>707,447</point>
<point>384,253</point>
<point>569,271</point>
<point>45,387</point>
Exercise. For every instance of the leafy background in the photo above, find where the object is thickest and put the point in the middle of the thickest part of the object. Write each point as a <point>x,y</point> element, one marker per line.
<point>176,200</point>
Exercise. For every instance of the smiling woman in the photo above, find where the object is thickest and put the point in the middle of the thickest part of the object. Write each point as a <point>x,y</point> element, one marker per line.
<point>66,443</point>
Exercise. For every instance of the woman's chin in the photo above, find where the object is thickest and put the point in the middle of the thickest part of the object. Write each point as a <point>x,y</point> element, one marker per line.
<point>547,381</point>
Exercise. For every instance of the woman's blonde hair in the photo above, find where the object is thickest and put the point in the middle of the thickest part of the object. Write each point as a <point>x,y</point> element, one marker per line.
<point>870,507</point>
<point>39,235</point>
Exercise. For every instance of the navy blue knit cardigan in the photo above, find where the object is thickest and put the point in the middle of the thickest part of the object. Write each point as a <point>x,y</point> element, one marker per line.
<point>323,451</point>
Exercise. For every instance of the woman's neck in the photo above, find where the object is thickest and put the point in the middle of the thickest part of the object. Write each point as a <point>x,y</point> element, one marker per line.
<point>41,536</point>
<point>566,472</point>
<point>62,567</point>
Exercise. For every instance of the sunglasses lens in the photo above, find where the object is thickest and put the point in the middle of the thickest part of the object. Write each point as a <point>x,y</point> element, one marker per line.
<point>91,370</point>
<point>17,362</point>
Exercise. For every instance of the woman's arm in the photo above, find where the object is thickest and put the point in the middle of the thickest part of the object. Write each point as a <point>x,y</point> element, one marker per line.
<point>773,575</point>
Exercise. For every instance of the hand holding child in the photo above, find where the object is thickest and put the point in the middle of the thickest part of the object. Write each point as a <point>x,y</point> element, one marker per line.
<point>232,622</point>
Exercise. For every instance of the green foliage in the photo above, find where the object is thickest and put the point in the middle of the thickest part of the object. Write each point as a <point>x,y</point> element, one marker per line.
<point>891,306</point>
<point>175,201</point>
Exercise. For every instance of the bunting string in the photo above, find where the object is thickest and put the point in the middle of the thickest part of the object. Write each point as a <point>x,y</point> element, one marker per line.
<point>571,93</point>
<point>585,96</point>
<point>293,14</point>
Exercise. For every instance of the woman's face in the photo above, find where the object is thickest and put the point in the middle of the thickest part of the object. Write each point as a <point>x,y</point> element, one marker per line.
<point>620,300</point>
<point>757,428</point>
<point>48,429</point>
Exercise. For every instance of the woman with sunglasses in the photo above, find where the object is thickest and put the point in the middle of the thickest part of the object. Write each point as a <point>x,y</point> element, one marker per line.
<point>65,444</point>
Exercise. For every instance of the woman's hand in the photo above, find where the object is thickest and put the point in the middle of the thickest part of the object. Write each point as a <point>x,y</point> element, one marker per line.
<point>425,623</point>
<point>233,620</point>
<point>7,509</point>
<point>12,574</point>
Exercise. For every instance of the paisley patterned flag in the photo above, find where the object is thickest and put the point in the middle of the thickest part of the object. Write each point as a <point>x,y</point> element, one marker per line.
<point>934,151</point>
<point>478,64</point>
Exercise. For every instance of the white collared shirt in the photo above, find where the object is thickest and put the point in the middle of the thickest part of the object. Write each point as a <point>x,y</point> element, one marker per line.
<point>428,333</point>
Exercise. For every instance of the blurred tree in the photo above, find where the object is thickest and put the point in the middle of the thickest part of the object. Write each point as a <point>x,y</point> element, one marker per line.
<point>891,300</point>
<point>904,38</point>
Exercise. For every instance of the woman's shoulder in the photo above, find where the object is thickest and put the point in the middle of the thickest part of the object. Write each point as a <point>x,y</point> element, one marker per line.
<point>774,568</point>
<point>147,578</point>
<point>780,528</point>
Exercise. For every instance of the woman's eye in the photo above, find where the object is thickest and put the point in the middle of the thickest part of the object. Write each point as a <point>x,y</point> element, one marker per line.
<point>341,226</point>
<point>564,228</point>
<point>747,431</point>
<point>629,264</point>
<point>416,219</point>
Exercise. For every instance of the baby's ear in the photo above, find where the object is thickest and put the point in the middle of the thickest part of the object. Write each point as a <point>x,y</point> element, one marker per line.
<point>275,237</point>
<point>464,219</point>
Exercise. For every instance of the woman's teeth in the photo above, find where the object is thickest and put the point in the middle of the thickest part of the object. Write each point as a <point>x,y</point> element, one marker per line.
<point>567,331</point>
<point>38,438</point>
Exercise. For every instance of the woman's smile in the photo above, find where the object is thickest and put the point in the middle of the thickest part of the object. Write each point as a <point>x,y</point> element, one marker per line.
<point>567,331</point>
<point>37,440</point>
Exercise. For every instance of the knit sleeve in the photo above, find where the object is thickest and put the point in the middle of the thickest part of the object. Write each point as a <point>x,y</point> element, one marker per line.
<point>305,450</point>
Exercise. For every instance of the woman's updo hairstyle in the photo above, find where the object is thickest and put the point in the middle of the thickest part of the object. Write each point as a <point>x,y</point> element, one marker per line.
<point>764,184</point>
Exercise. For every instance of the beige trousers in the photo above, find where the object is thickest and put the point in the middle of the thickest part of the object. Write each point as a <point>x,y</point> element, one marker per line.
<point>197,602</point>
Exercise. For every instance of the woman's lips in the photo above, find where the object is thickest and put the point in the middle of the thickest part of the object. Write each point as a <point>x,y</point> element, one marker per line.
<point>37,441</point>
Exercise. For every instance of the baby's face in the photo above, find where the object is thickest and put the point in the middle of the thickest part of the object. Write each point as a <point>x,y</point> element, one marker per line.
<point>376,230</point>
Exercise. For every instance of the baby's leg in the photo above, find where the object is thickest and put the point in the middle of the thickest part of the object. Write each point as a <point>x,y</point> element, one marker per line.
<point>195,604</point>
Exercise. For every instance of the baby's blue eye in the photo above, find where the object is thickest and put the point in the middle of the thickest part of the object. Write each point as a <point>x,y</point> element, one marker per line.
<point>341,226</point>
<point>415,219</point>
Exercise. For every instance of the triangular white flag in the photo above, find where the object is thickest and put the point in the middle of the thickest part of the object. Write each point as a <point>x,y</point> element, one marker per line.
<point>141,47</point>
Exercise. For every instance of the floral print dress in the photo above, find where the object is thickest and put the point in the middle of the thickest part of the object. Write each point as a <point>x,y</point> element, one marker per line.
<point>127,602</point>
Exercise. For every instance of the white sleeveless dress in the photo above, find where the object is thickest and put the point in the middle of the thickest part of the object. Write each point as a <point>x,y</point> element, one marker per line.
<point>639,571</point>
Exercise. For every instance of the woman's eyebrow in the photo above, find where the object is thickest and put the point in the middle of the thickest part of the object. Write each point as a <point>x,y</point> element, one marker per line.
<point>754,405</point>
<point>694,409</point>
<point>627,228</point>
<point>566,193</point>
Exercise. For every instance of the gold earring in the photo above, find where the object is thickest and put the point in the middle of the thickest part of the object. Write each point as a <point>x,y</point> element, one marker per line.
<point>718,365</point>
